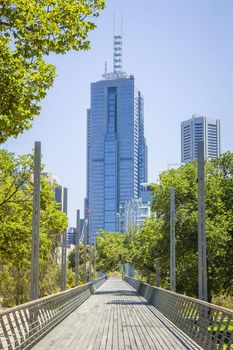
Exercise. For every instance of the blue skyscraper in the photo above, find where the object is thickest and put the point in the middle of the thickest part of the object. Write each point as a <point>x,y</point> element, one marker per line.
<point>116,146</point>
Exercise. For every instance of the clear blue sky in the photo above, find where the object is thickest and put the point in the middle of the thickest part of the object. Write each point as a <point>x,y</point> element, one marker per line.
<point>181,54</point>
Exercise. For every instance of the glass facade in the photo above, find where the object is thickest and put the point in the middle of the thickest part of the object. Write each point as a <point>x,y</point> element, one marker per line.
<point>116,150</point>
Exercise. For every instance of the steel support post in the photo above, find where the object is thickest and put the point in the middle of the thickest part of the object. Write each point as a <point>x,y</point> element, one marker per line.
<point>90,262</point>
<point>172,241</point>
<point>85,252</point>
<point>34,287</point>
<point>202,265</point>
<point>63,257</point>
<point>157,277</point>
<point>63,262</point>
<point>94,267</point>
<point>77,252</point>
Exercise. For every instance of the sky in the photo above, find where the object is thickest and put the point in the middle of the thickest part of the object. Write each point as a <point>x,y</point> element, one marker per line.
<point>181,54</point>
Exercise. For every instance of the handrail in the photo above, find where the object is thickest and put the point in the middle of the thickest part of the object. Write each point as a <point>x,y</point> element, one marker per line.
<point>209,325</point>
<point>24,325</point>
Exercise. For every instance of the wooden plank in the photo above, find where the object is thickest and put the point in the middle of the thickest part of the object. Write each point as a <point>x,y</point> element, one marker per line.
<point>115,318</point>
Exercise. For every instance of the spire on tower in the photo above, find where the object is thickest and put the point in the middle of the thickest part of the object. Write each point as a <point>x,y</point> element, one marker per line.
<point>106,68</point>
<point>117,54</point>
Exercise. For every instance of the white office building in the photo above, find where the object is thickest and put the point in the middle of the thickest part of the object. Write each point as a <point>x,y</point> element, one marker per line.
<point>200,128</point>
<point>132,214</point>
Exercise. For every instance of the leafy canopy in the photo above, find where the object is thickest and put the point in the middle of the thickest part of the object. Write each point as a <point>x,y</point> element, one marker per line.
<point>111,252</point>
<point>16,194</point>
<point>149,246</point>
<point>29,31</point>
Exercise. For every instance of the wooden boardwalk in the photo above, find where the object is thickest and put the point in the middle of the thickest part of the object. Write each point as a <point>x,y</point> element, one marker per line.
<point>115,318</point>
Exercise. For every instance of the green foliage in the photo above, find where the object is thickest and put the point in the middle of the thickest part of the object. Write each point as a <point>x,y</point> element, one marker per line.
<point>31,30</point>
<point>142,247</point>
<point>16,192</point>
<point>71,264</point>
<point>149,246</point>
<point>70,278</point>
<point>219,215</point>
<point>14,284</point>
<point>111,251</point>
<point>71,257</point>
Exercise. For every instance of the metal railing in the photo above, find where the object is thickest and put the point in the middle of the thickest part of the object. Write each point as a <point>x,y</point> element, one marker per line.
<point>24,325</point>
<point>209,325</point>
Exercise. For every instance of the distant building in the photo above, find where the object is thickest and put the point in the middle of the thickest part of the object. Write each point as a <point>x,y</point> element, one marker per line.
<point>61,192</point>
<point>71,236</point>
<point>200,128</point>
<point>146,192</point>
<point>52,179</point>
<point>116,146</point>
<point>132,214</point>
<point>61,197</point>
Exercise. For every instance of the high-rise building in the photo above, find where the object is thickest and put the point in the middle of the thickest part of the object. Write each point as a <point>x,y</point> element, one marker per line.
<point>132,214</point>
<point>71,236</point>
<point>200,128</point>
<point>61,192</point>
<point>116,146</point>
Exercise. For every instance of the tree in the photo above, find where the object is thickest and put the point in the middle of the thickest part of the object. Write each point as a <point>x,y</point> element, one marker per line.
<point>219,216</point>
<point>71,257</point>
<point>30,31</point>
<point>142,248</point>
<point>71,262</point>
<point>16,191</point>
<point>111,251</point>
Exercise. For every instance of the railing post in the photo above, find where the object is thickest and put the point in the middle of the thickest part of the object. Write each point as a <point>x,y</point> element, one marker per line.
<point>202,265</point>
<point>34,287</point>
<point>172,241</point>
<point>77,252</point>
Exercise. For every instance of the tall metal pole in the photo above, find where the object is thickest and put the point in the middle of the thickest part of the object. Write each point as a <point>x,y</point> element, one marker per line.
<point>85,252</point>
<point>202,264</point>
<point>91,261</point>
<point>34,287</point>
<point>63,256</point>
<point>77,252</point>
<point>94,270</point>
<point>157,277</point>
<point>172,241</point>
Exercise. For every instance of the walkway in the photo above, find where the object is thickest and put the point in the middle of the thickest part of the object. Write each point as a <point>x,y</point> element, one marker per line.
<point>115,318</point>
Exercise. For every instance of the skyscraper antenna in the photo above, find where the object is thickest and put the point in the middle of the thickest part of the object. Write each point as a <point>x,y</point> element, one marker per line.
<point>117,51</point>
<point>106,68</point>
<point>121,24</point>
<point>114,23</point>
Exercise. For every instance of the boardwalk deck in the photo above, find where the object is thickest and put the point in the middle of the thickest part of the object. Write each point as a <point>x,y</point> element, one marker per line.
<point>115,318</point>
